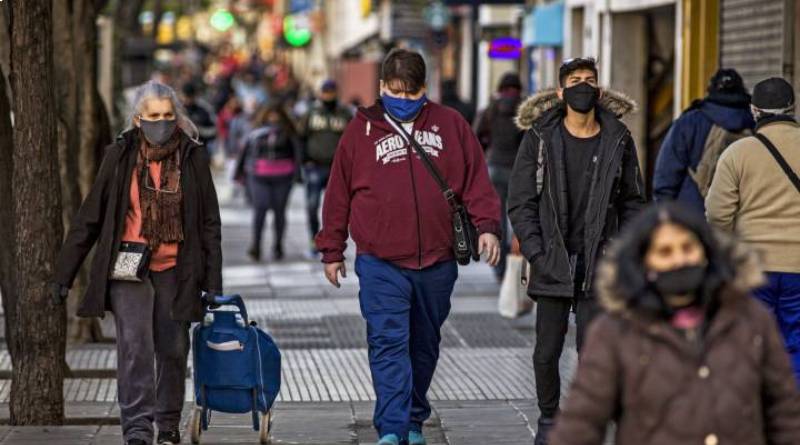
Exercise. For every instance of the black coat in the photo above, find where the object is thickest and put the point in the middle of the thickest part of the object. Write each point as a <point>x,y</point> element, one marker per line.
<point>540,219</point>
<point>101,221</point>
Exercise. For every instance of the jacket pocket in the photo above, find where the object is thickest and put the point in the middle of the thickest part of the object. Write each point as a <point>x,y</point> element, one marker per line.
<point>545,267</point>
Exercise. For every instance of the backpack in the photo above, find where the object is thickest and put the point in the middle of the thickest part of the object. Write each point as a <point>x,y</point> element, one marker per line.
<point>717,141</point>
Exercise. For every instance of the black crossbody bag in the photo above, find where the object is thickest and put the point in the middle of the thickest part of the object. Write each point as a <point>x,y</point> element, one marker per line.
<point>465,246</point>
<point>780,159</point>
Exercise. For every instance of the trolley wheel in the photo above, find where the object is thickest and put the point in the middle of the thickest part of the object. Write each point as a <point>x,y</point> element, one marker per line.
<point>196,425</point>
<point>266,428</point>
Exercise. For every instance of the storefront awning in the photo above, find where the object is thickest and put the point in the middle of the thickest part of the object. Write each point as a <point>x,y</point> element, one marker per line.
<point>545,25</point>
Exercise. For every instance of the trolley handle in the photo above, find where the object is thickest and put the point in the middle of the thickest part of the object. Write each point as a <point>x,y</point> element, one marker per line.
<point>225,300</point>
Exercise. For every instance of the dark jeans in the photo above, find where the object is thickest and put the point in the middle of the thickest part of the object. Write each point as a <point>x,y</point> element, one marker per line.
<point>270,193</point>
<point>552,322</point>
<point>781,294</point>
<point>404,310</point>
<point>316,179</point>
<point>151,355</point>
<point>500,177</point>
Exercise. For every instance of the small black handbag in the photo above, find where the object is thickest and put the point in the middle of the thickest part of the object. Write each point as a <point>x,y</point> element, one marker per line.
<point>132,262</point>
<point>465,246</point>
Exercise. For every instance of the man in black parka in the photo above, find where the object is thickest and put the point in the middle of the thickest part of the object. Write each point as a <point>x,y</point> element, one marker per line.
<point>575,181</point>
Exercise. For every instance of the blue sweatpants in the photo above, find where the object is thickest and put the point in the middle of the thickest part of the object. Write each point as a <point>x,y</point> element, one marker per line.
<point>404,310</point>
<point>782,296</point>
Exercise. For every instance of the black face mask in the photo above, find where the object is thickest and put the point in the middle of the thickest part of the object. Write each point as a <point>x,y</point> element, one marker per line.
<point>685,280</point>
<point>581,97</point>
<point>330,105</point>
<point>158,132</point>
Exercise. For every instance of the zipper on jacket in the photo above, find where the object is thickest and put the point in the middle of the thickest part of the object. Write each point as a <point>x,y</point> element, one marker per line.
<point>590,261</point>
<point>416,203</point>
<point>555,213</point>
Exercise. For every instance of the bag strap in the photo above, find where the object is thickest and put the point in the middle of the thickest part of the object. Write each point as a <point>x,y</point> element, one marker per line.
<point>448,193</point>
<point>780,159</point>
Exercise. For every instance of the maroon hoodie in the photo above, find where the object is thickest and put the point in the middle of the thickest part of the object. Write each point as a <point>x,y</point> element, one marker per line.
<point>393,207</point>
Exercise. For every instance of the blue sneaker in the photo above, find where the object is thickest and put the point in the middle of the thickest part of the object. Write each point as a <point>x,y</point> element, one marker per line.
<point>416,438</point>
<point>389,439</point>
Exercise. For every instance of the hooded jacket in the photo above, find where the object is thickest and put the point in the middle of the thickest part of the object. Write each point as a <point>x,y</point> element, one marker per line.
<point>498,133</point>
<point>661,389</point>
<point>683,147</point>
<point>538,190</point>
<point>391,205</point>
<point>101,221</point>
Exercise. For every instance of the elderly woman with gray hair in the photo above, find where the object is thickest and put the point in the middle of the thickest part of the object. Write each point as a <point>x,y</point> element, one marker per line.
<point>154,218</point>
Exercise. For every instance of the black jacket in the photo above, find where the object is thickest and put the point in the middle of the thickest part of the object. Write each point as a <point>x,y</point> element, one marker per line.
<point>266,142</point>
<point>321,130</point>
<point>539,218</point>
<point>498,133</point>
<point>101,221</point>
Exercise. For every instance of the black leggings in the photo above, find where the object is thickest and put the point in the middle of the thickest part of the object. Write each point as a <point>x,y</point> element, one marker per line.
<point>269,193</point>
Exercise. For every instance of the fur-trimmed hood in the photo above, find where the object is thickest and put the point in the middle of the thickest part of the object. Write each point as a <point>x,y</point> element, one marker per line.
<point>540,103</point>
<point>749,275</point>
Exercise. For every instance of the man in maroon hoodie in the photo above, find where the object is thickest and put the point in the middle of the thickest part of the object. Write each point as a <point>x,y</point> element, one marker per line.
<point>380,193</point>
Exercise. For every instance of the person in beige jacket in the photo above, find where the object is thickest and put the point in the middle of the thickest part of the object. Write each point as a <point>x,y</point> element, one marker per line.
<point>753,196</point>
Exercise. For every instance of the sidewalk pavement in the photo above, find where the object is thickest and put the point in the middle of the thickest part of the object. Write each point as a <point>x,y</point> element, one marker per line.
<point>482,393</point>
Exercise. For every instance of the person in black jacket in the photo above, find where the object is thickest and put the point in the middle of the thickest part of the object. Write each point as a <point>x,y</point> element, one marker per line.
<point>154,188</point>
<point>269,163</point>
<point>321,128</point>
<point>201,113</point>
<point>575,181</point>
<point>500,138</point>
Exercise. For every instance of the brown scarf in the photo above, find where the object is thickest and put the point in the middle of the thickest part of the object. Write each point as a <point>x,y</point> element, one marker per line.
<point>162,221</point>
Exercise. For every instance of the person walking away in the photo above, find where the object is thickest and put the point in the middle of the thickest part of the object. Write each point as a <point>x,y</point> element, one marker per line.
<point>682,354</point>
<point>756,194</point>
<point>153,192</point>
<point>241,126</point>
<point>202,114</point>
<point>575,181</point>
<point>688,157</point>
<point>450,98</point>
<point>321,130</point>
<point>381,193</point>
<point>269,163</point>
<point>500,136</point>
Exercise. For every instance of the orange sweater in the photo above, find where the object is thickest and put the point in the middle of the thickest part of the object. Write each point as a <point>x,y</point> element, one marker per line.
<point>166,255</point>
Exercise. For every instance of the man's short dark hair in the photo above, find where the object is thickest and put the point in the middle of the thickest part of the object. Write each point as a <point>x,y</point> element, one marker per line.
<point>569,66</point>
<point>404,67</point>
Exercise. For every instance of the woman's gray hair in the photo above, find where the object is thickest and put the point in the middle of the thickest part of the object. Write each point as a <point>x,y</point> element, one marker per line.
<point>157,90</point>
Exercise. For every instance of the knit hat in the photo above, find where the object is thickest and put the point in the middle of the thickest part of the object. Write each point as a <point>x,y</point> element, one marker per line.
<point>726,87</point>
<point>510,80</point>
<point>773,95</point>
<point>328,85</point>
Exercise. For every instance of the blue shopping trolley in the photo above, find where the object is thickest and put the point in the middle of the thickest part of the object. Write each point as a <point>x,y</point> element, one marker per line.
<point>237,367</point>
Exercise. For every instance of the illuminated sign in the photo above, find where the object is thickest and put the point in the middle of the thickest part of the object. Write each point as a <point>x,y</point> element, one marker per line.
<point>505,48</point>
<point>297,29</point>
<point>222,20</point>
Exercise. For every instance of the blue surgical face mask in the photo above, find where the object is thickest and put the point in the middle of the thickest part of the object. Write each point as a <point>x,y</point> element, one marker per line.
<point>402,109</point>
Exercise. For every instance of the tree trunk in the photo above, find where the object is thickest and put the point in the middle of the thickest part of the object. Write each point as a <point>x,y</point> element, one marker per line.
<point>7,287</point>
<point>126,25</point>
<point>37,379</point>
<point>66,88</point>
<point>92,132</point>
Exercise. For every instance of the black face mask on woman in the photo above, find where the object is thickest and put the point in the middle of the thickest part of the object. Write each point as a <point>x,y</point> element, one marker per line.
<point>685,280</point>
<point>158,132</point>
<point>581,97</point>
